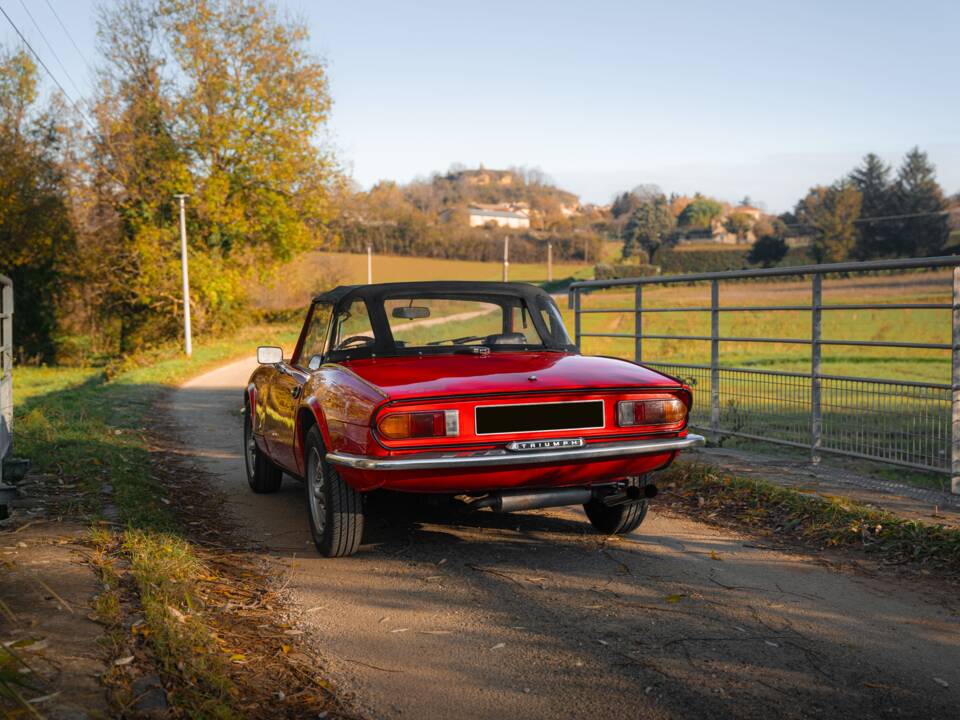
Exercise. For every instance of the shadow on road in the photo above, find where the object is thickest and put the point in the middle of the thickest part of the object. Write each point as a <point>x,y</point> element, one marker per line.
<point>534,614</point>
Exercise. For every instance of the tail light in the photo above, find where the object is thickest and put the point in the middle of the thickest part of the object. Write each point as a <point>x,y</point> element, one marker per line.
<point>661,411</point>
<point>434,423</point>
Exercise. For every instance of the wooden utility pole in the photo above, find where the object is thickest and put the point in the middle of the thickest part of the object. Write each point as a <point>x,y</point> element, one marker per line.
<point>369,264</point>
<point>187,335</point>
<point>506,258</point>
<point>549,261</point>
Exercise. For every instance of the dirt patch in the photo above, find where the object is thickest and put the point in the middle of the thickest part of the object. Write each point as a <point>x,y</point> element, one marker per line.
<point>46,589</point>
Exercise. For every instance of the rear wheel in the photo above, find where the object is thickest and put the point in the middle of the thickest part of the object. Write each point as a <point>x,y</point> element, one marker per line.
<point>620,519</point>
<point>262,474</point>
<point>336,509</point>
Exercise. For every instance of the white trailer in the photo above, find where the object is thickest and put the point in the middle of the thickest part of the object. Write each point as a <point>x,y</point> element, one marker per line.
<point>6,369</point>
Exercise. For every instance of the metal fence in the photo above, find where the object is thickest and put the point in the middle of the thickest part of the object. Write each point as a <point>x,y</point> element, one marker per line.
<point>912,424</point>
<point>6,368</point>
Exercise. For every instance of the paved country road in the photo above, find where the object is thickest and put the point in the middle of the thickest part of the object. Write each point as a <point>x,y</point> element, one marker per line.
<point>533,615</point>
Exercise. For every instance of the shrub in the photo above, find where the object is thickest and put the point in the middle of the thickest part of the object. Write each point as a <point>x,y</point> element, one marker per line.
<point>768,251</point>
<point>617,272</point>
<point>682,262</point>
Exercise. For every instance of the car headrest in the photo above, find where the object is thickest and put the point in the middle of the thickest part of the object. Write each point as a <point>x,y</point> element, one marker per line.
<point>506,339</point>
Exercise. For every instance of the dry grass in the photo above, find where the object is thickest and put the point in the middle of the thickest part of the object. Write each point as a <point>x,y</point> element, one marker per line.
<point>760,507</point>
<point>297,282</point>
<point>211,620</point>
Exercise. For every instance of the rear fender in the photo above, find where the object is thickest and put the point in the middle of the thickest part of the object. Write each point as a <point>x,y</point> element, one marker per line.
<point>309,414</point>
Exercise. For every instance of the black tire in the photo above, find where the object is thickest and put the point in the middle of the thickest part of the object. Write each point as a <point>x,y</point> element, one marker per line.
<point>618,520</point>
<point>335,509</point>
<point>262,474</point>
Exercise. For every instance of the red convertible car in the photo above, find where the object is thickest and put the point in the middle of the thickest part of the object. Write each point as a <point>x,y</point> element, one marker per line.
<point>467,389</point>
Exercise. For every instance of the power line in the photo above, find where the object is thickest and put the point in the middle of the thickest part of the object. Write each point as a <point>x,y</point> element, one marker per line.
<point>80,112</point>
<point>47,70</point>
<point>885,218</point>
<point>904,216</point>
<point>70,37</point>
<point>50,47</point>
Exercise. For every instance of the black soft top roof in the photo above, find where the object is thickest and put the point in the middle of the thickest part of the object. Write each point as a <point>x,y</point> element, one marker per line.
<point>380,291</point>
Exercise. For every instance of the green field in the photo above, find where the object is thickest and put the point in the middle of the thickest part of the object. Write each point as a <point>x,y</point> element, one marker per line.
<point>926,326</point>
<point>892,421</point>
<point>297,282</point>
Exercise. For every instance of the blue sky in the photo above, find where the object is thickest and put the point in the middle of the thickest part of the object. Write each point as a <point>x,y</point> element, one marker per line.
<point>741,98</point>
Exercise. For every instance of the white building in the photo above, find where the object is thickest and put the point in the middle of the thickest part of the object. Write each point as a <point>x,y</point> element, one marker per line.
<point>499,215</point>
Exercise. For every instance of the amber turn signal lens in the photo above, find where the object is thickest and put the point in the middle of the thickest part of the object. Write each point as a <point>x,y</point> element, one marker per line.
<point>651,412</point>
<point>435,423</point>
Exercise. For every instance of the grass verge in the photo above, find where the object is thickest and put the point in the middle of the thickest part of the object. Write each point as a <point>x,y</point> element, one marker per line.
<point>86,429</point>
<point>206,622</point>
<point>763,508</point>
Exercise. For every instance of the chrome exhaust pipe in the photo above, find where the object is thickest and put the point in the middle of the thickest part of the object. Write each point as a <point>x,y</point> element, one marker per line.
<point>534,499</point>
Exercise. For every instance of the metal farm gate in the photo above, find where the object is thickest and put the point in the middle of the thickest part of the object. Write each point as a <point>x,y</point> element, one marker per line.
<point>902,422</point>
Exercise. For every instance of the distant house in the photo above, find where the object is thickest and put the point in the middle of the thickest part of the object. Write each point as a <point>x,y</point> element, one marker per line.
<point>718,233</point>
<point>511,215</point>
<point>753,212</point>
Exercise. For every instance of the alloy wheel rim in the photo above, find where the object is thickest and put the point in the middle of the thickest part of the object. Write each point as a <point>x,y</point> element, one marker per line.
<point>315,492</point>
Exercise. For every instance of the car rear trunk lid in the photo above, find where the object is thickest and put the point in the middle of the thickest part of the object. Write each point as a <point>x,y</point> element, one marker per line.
<point>411,377</point>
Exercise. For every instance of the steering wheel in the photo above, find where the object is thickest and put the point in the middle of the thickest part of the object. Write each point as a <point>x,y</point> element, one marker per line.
<point>354,340</point>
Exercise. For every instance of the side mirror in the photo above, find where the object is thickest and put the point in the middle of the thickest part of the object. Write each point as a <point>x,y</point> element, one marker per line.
<point>267,355</point>
<point>411,312</point>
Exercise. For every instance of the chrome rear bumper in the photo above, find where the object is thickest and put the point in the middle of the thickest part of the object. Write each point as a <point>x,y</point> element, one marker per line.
<point>502,458</point>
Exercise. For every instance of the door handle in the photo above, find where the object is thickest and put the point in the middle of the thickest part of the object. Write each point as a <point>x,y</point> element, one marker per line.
<point>295,391</point>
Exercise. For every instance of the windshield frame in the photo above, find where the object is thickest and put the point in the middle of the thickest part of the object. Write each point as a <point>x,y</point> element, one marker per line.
<point>504,295</point>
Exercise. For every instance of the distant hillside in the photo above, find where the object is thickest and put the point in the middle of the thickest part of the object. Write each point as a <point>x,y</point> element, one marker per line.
<point>465,214</point>
<point>461,187</point>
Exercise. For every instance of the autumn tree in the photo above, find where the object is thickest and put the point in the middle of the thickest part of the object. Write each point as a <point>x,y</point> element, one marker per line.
<point>738,223</point>
<point>700,213</point>
<point>647,228</point>
<point>139,164</point>
<point>919,199</point>
<point>36,237</point>
<point>221,100</point>
<point>251,106</point>
<point>831,212</point>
